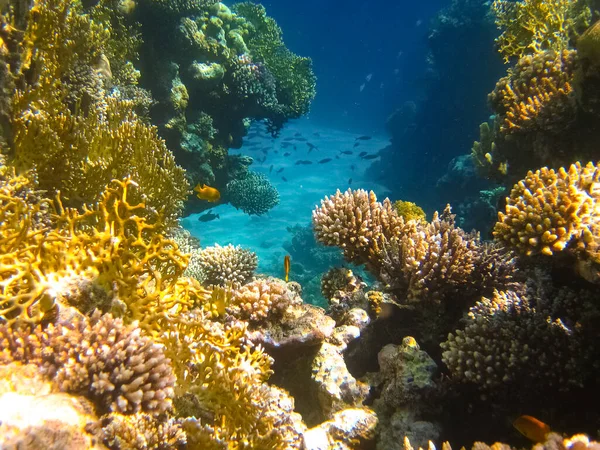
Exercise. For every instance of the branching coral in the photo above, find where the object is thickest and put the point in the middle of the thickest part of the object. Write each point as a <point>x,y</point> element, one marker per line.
<point>261,299</point>
<point>537,94</point>
<point>357,223</point>
<point>222,266</point>
<point>141,431</point>
<point>339,279</point>
<point>551,210</point>
<point>533,26</point>
<point>114,365</point>
<point>65,125</point>
<point>434,257</point>
<point>509,337</point>
<point>253,194</point>
<point>415,258</point>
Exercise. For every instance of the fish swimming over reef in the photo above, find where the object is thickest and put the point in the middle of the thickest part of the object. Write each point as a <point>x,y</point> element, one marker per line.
<point>302,162</point>
<point>284,178</point>
<point>208,217</point>
<point>346,152</point>
<point>363,138</point>
<point>271,168</point>
<point>297,134</point>
<point>280,170</point>
<point>287,154</point>
<point>532,428</point>
<point>356,144</point>
<point>362,154</point>
<point>316,134</point>
<point>350,181</point>
<point>210,194</point>
<point>286,267</point>
<point>326,160</point>
<point>301,139</point>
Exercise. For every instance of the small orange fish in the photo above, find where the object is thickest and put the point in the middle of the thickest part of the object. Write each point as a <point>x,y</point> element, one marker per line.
<point>210,194</point>
<point>532,428</point>
<point>286,267</point>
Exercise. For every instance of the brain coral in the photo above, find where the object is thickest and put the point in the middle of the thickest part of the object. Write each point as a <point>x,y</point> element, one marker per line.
<point>230,264</point>
<point>112,364</point>
<point>550,210</point>
<point>253,194</point>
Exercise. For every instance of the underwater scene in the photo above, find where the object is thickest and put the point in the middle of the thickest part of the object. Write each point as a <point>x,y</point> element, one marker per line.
<point>316,225</point>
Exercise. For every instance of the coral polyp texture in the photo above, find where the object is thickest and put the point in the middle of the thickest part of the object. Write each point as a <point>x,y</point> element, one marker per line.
<point>261,299</point>
<point>254,194</point>
<point>226,265</point>
<point>357,223</point>
<point>551,210</point>
<point>533,26</point>
<point>537,94</point>
<point>118,368</point>
<point>510,335</point>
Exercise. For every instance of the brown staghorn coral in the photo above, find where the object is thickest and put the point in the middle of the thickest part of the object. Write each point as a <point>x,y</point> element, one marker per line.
<point>550,210</point>
<point>533,26</point>
<point>112,364</point>
<point>434,257</point>
<point>220,378</point>
<point>227,265</point>
<point>537,94</point>
<point>65,125</point>
<point>357,223</point>
<point>510,337</point>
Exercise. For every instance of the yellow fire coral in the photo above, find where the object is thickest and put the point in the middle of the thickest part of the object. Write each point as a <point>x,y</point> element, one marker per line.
<point>65,126</point>
<point>111,248</point>
<point>537,94</point>
<point>550,210</point>
<point>409,210</point>
<point>533,26</point>
<point>224,375</point>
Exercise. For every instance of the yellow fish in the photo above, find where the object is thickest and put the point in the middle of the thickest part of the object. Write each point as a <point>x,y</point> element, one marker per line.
<point>204,192</point>
<point>286,267</point>
<point>532,428</point>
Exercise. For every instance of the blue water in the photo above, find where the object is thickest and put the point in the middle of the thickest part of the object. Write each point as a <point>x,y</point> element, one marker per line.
<point>370,58</point>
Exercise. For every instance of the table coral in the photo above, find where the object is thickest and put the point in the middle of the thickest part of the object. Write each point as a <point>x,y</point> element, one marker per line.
<point>226,265</point>
<point>551,210</point>
<point>114,365</point>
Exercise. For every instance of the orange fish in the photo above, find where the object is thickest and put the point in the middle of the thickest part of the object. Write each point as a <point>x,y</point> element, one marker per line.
<point>204,192</point>
<point>532,428</point>
<point>286,266</point>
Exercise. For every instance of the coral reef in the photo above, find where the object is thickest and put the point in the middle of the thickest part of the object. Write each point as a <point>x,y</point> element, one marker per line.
<point>117,367</point>
<point>534,26</point>
<point>334,433</point>
<point>511,336</point>
<point>217,70</point>
<point>253,194</point>
<point>221,266</point>
<point>76,134</point>
<point>551,210</point>
<point>261,299</point>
